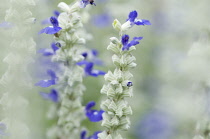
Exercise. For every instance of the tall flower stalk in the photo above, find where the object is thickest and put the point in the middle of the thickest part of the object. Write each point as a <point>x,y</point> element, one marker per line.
<point>119,84</point>
<point>66,31</point>
<point>15,83</point>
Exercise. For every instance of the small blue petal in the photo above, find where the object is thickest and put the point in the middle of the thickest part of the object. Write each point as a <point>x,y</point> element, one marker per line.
<point>88,68</point>
<point>85,54</point>
<point>54,21</point>
<point>134,42</point>
<point>52,74</point>
<point>56,13</point>
<point>146,22</point>
<point>94,136</point>
<point>54,47</point>
<point>84,3</point>
<point>58,44</point>
<point>50,30</point>
<point>90,105</point>
<point>94,52</point>
<point>94,115</point>
<point>129,84</point>
<point>83,62</point>
<point>96,73</point>
<point>5,25</point>
<point>132,16</point>
<point>83,134</point>
<point>53,95</point>
<point>137,38</point>
<point>125,39</point>
<point>142,22</point>
<point>45,83</point>
<point>2,130</point>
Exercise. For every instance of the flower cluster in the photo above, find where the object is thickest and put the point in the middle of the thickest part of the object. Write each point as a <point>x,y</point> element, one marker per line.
<point>93,115</point>
<point>119,84</point>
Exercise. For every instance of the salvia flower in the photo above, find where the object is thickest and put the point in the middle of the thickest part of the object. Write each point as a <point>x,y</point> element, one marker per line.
<point>126,44</point>
<point>155,124</point>
<point>129,84</point>
<point>89,69</point>
<point>93,115</point>
<point>53,95</point>
<point>49,52</point>
<point>52,29</point>
<point>132,17</point>
<point>94,136</point>
<point>47,83</point>
<point>84,3</point>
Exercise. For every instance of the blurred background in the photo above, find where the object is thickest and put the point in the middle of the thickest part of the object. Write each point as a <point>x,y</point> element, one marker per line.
<point>171,81</point>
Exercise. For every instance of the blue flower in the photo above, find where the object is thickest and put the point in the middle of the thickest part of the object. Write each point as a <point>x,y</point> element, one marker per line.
<point>94,136</point>
<point>84,3</point>
<point>102,20</point>
<point>156,125</point>
<point>2,129</point>
<point>132,18</point>
<point>129,84</point>
<point>93,115</point>
<point>47,83</point>
<point>127,44</point>
<point>49,52</point>
<point>89,68</point>
<point>94,52</point>
<point>51,29</point>
<point>6,25</point>
<point>53,95</point>
<point>85,54</point>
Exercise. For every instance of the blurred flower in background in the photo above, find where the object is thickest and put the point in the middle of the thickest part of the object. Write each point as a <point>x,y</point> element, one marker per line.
<point>155,125</point>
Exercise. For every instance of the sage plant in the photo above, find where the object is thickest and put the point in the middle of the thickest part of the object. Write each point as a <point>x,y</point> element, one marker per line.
<point>15,82</point>
<point>119,84</point>
<point>66,29</point>
<point>199,53</point>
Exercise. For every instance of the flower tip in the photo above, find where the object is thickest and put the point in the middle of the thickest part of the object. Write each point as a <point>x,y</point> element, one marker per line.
<point>90,105</point>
